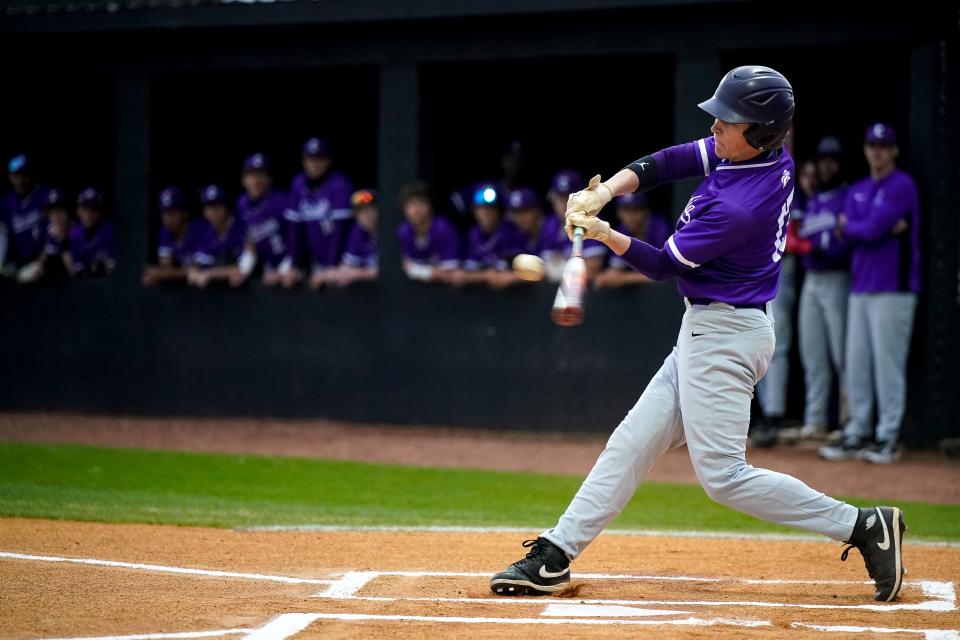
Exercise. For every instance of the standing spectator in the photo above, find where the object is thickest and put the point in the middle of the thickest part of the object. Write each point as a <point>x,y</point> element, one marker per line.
<point>636,220</point>
<point>492,243</point>
<point>880,219</point>
<point>22,223</point>
<point>178,240</point>
<point>261,209</point>
<point>92,244</point>
<point>360,260</point>
<point>222,253</point>
<point>823,298</point>
<point>557,247</point>
<point>429,244</point>
<point>318,213</point>
<point>50,265</point>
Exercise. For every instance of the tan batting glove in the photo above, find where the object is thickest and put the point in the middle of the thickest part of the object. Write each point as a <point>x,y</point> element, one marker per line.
<point>593,228</point>
<point>592,199</point>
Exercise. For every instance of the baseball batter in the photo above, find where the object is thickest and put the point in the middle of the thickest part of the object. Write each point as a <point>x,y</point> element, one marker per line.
<point>726,253</point>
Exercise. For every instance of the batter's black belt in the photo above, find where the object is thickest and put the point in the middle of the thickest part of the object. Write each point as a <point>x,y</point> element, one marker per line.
<point>762,306</point>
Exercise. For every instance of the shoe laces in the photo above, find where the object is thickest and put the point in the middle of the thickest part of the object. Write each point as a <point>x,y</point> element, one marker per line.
<point>866,561</point>
<point>535,547</point>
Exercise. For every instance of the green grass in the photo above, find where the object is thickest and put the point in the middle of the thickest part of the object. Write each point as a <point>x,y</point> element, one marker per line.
<point>126,485</point>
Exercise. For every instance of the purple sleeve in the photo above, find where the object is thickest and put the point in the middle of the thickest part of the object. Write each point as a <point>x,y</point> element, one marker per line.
<point>720,228</point>
<point>75,244</point>
<point>901,203</point>
<point>404,236</point>
<point>340,199</point>
<point>697,158</point>
<point>164,243</point>
<point>650,261</point>
<point>473,259</point>
<point>448,246</point>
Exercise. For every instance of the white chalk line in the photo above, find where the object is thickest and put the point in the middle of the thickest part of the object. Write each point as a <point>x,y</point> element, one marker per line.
<point>942,593</point>
<point>928,634</point>
<point>163,568</point>
<point>345,588</point>
<point>217,633</point>
<point>654,533</point>
<point>699,622</point>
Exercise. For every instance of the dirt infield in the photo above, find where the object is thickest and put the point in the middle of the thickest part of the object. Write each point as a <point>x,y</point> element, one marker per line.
<point>924,476</point>
<point>70,580</point>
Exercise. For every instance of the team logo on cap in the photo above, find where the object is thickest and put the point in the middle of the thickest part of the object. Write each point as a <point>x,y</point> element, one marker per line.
<point>878,130</point>
<point>516,199</point>
<point>166,198</point>
<point>257,161</point>
<point>212,192</point>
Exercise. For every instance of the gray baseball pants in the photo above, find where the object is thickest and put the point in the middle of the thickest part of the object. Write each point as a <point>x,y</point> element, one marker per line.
<point>822,329</point>
<point>701,395</point>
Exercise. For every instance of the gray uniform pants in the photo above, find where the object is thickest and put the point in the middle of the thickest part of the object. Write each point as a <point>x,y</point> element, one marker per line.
<point>772,390</point>
<point>879,326</point>
<point>701,395</point>
<point>823,325</point>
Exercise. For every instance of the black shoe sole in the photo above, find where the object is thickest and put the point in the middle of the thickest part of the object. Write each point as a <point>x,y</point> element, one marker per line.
<point>507,587</point>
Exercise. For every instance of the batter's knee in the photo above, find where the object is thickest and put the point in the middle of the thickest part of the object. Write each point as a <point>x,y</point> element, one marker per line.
<point>719,474</point>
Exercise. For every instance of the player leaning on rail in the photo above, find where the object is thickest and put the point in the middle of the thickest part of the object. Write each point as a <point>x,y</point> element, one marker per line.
<point>725,254</point>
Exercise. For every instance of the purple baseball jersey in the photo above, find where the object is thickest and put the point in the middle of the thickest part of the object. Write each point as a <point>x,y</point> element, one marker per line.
<point>215,250</point>
<point>25,222</point>
<point>492,250</point>
<point>361,249</point>
<point>93,250</point>
<point>818,225</point>
<point>656,234</point>
<point>265,225</point>
<point>880,261</point>
<point>440,247</point>
<point>730,237</point>
<point>181,250</point>
<point>318,216</point>
<point>53,246</point>
<point>554,241</point>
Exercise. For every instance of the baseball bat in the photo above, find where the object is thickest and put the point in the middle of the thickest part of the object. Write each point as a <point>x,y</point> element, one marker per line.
<point>568,305</point>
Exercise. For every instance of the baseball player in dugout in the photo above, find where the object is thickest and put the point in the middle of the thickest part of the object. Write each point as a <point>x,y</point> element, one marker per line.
<point>880,220</point>
<point>725,252</point>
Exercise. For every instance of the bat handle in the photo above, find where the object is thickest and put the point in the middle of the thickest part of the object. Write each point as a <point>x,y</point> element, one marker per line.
<point>577,242</point>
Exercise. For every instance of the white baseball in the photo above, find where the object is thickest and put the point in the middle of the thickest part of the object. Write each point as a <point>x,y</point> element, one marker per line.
<point>528,267</point>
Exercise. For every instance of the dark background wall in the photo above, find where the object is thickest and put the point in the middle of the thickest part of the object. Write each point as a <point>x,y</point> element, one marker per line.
<point>133,100</point>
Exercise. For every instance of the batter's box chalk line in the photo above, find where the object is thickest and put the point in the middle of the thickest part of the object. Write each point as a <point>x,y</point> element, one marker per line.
<point>940,597</point>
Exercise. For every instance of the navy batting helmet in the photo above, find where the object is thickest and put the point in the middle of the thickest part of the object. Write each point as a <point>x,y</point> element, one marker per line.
<point>756,95</point>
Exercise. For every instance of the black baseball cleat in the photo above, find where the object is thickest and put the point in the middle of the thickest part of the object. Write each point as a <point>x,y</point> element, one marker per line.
<point>878,535</point>
<point>545,570</point>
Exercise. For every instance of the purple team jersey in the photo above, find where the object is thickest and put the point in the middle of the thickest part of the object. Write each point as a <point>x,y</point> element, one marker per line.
<point>656,234</point>
<point>53,246</point>
<point>26,222</point>
<point>818,225</point>
<point>265,225</point>
<point>318,216</point>
<point>361,249</point>
<point>183,250</point>
<point>440,247</point>
<point>493,250</point>
<point>215,250</point>
<point>93,250</point>
<point>730,237</point>
<point>880,261</point>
